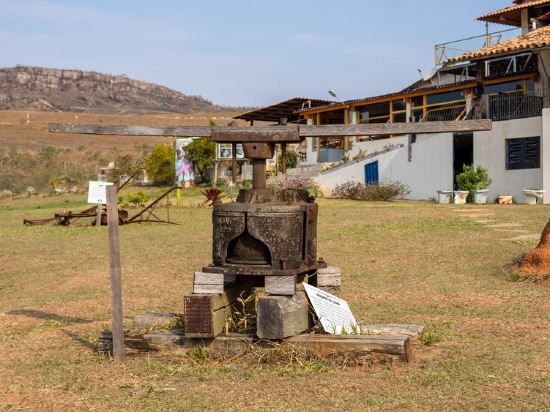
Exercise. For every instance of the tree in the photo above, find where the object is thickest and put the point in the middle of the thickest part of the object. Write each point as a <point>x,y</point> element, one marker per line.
<point>201,152</point>
<point>160,164</point>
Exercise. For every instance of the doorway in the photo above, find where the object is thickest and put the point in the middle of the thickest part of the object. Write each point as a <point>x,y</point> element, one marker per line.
<point>463,153</point>
<point>371,173</point>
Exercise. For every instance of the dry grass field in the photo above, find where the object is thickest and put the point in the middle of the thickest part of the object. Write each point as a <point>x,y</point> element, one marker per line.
<point>402,262</point>
<point>31,156</point>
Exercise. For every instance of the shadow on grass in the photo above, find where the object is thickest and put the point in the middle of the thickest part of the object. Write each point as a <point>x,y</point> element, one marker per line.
<point>38,314</point>
<point>79,339</point>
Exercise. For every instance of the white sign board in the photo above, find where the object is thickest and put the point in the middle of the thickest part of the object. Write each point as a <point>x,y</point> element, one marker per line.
<point>333,312</point>
<point>97,192</point>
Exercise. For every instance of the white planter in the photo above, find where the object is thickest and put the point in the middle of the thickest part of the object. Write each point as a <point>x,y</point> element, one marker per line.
<point>480,196</point>
<point>461,197</point>
<point>533,196</point>
<point>444,196</point>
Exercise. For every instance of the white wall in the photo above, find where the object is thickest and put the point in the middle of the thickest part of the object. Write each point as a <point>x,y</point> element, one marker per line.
<point>545,154</point>
<point>430,168</point>
<point>490,152</point>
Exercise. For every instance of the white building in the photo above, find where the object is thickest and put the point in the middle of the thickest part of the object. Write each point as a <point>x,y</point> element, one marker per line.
<point>505,80</point>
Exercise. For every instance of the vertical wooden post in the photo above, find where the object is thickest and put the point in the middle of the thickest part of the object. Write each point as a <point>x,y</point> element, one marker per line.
<point>346,121</point>
<point>234,163</point>
<point>98,213</point>
<point>116,286</point>
<point>318,141</point>
<point>283,158</point>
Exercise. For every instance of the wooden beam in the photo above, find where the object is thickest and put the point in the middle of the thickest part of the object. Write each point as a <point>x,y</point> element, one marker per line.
<point>363,348</point>
<point>130,130</point>
<point>279,134</point>
<point>377,129</point>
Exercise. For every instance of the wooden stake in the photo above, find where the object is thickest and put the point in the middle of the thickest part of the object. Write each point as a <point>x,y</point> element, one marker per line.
<point>116,287</point>
<point>98,212</point>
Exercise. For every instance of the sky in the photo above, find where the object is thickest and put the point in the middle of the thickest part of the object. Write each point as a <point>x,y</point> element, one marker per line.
<point>242,52</point>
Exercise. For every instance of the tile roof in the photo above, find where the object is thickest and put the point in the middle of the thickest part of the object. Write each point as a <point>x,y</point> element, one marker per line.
<point>403,93</point>
<point>534,40</point>
<point>286,109</point>
<point>511,15</point>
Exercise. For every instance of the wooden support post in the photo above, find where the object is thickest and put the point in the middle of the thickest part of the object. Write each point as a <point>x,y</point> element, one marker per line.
<point>234,163</point>
<point>279,317</point>
<point>205,314</point>
<point>116,283</point>
<point>283,158</point>
<point>318,140</point>
<point>98,213</point>
<point>211,282</point>
<point>330,280</point>
<point>280,285</point>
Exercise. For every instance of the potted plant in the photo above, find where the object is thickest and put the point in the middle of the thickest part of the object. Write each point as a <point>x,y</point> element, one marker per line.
<point>474,180</point>
<point>533,195</point>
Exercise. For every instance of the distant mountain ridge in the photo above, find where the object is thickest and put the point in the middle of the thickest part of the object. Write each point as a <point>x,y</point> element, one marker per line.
<point>44,89</point>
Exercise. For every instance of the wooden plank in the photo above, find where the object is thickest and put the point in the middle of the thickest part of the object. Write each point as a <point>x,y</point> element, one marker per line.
<point>228,134</point>
<point>202,289</point>
<point>203,278</point>
<point>131,130</point>
<point>376,129</point>
<point>279,317</point>
<point>116,283</point>
<point>360,347</point>
<point>277,134</point>
<point>329,277</point>
<point>391,329</point>
<point>280,285</point>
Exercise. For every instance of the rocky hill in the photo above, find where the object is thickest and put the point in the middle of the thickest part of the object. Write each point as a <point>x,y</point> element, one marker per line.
<point>38,88</point>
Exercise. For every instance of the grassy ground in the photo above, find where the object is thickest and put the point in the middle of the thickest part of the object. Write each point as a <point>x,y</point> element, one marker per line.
<point>402,262</point>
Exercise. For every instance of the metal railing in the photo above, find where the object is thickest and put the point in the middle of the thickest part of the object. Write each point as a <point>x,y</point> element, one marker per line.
<point>446,51</point>
<point>516,105</point>
<point>446,113</point>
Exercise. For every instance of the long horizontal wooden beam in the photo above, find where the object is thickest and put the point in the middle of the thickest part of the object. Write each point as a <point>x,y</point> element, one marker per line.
<point>278,134</point>
<point>380,129</point>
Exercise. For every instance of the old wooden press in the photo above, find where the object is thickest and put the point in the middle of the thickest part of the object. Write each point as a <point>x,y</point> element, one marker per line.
<point>267,238</point>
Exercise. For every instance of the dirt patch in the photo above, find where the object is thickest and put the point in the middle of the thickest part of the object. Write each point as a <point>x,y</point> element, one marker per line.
<point>537,262</point>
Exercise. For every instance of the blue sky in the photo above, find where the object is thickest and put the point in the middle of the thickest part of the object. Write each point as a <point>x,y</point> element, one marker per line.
<point>242,52</point>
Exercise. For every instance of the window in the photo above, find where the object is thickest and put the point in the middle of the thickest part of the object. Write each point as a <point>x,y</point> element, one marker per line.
<point>445,97</point>
<point>523,153</point>
<point>507,87</point>
<point>417,101</point>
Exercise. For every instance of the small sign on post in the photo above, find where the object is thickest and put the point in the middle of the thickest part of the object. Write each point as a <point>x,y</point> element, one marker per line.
<point>116,283</point>
<point>333,313</point>
<point>97,192</point>
<point>97,195</point>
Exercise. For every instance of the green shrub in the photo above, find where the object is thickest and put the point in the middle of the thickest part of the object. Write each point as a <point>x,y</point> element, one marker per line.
<point>160,164</point>
<point>386,191</point>
<point>430,336</point>
<point>134,199</point>
<point>349,190</point>
<point>291,159</point>
<point>473,178</point>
